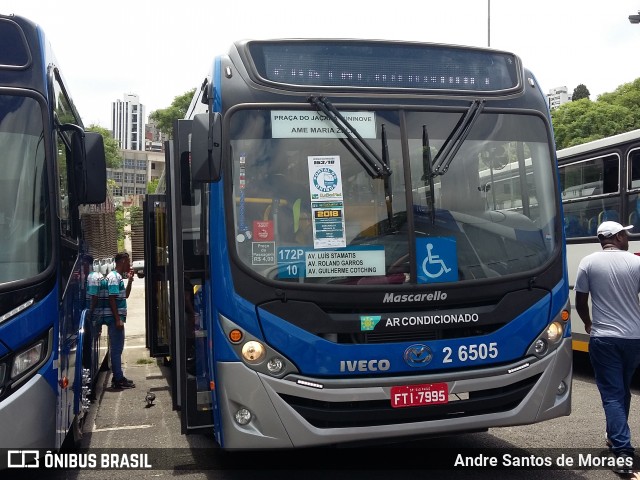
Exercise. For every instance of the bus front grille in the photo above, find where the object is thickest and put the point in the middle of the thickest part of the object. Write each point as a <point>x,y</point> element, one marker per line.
<point>323,414</point>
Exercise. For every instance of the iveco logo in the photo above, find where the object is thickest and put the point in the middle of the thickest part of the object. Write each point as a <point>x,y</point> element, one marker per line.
<point>418,355</point>
<point>381,365</point>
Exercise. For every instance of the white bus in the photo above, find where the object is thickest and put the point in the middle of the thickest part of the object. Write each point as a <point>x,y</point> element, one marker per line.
<point>599,181</point>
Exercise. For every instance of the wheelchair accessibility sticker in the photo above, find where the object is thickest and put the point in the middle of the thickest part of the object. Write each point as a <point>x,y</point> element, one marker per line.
<point>437,259</point>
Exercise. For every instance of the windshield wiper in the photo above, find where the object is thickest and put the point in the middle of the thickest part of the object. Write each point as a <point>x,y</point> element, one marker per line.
<point>366,156</point>
<point>453,143</point>
<point>427,174</point>
<point>388,194</point>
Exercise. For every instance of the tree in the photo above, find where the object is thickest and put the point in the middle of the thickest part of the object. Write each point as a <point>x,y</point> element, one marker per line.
<point>152,185</point>
<point>164,118</point>
<point>580,92</point>
<point>626,95</point>
<point>121,221</point>
<point>582,121</point>
<point>135,215</point>
<point>111,149</point>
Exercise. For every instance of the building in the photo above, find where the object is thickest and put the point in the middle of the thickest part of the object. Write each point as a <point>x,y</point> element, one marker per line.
<point>128,122</point>
<point>154,138</point>
<point>557,96</point>
<point>138,169</point>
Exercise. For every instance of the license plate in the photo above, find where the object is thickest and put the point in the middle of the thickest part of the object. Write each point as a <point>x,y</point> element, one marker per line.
<point>419,395</point>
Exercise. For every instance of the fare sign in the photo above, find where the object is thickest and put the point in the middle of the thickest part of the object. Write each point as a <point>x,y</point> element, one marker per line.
<point>419,395</point>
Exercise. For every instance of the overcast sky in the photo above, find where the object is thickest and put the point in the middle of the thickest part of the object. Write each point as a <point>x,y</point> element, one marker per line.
<point>159,50</point>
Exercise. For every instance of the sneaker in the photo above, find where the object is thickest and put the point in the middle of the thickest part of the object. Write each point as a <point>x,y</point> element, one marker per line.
<point>623,464</point>
<point>122,383</point>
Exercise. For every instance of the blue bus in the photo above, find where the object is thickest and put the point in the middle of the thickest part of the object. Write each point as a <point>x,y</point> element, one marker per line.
<point>51,168</point>
<point>330,262</point>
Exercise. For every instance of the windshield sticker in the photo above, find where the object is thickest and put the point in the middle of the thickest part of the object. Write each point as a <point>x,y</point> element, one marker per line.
<point>263,230</point>
<point>327,207</point>
<point>360,261</point>
<point>291,262</point>
<point>437,259</point>
<point>301,124</point>
<point>345,263</point>
<point>263,253</point>
<point>328,225</point>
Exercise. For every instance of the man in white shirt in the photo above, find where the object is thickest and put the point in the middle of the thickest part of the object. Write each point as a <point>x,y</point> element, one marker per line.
<point>612,277</point>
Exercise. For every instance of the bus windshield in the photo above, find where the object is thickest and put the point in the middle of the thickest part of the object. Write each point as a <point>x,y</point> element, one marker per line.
<point>25,248</point>
<point>307,210</point>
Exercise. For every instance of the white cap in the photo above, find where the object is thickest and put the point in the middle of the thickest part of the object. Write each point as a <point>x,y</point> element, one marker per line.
<point>608,229</point>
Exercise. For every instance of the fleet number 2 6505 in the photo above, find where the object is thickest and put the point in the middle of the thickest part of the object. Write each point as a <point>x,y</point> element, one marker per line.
<point>469,353</point>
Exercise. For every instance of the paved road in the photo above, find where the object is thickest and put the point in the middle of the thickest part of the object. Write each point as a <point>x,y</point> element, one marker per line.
<point>121,419</point>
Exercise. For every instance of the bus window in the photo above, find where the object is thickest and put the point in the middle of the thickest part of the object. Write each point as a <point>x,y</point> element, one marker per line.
<point>634,169</point>
<point>583,186</point>
<point>633,203</point>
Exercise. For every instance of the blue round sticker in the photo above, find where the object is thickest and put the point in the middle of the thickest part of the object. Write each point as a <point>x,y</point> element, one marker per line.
<point>325,179</point>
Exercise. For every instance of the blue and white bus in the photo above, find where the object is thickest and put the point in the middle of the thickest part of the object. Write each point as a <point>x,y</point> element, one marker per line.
<point>49,167</point>
<point>331,262</point>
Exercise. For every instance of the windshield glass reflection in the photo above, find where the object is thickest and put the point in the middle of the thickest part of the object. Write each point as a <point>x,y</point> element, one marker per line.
<point>24,222</point>
<point>307,210</point>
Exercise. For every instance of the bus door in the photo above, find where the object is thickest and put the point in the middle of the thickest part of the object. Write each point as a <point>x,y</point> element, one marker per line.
<point>187,255</point>
<point>156,270</point>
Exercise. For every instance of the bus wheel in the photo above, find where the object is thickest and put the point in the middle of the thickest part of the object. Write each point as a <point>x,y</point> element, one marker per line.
<point>105,366</point>
<point>73,440</point>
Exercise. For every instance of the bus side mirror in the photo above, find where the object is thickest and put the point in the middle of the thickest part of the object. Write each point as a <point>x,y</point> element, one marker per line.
<point>95,167</point>
<point>206,147</point>
<point>89,165</point>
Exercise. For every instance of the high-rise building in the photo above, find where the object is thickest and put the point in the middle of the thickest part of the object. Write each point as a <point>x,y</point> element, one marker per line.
<point>557,96</point>
<point>128,121</point>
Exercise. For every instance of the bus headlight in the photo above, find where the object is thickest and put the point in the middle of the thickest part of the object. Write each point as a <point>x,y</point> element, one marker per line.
<point>548,340</point>
<point>26,359</point>
<point>253,352</point>
<point>540,346</point>
<point>242,416</point>
<point>554,332</point>
<point>275,365</point>
<point>562,388</point>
